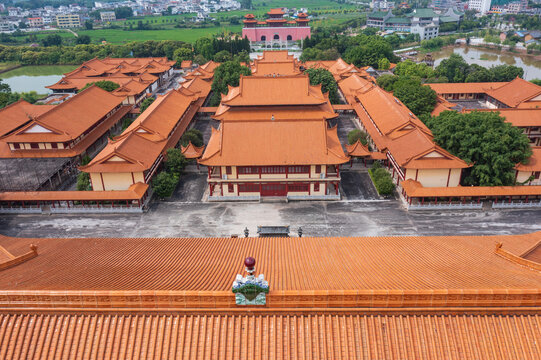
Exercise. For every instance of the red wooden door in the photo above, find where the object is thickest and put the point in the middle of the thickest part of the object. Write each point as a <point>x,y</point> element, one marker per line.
<point>273,189</point>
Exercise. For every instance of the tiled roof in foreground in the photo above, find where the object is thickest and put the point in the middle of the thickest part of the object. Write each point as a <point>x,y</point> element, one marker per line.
<point>351,335</point>
<point>289,264</point>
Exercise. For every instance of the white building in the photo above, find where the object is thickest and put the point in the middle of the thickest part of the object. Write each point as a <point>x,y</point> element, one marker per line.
<point>107,16</point>
<point>426,32</point>
<point>482,6</point>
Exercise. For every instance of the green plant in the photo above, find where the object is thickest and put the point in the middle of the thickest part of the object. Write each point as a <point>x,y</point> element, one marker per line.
<point>164,184</point>
<point>176,162</point>
<point>382,180</point>
<point>83,182</point>
<point>357,134</point>
<point>194,136</point>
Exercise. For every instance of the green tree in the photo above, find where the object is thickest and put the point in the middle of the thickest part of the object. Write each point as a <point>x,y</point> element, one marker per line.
<point>409,68</point>
<point>145,104</point>
<point>175,161</point>
<point>386,82</point>
<point>123,12</point>
<point>89,25</point>
<point>357,134</point>
<point>384,64</point>
<point>228,73</point>
<point>382,180</point>
<point>485,140</point>
<point>199,59</point>
<point>194,136</point>
<point>83,182</point>
<point>52,40</point>
<point>369,51</point>
<point>181,54</point>
<point>536,81</point>
<point>420,99</point>
<point>325,78</point>
<point>222,56</point>
<point>246,4</point>
<point>102,84</point>
<point>164,184</point>
<point>454,68</point>
<point>82,39</point>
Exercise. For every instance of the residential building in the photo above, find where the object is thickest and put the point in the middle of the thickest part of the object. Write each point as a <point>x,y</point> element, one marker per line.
<point>35,22</point>
<point>382,5</point>
<point>275,29</point>
<point>6,26</point>
<point>424,22</point>
<point>64,21</point>
<point>107,16</point>
<point>481,6</point>
<point>153,72</point>
<point>452,297</point>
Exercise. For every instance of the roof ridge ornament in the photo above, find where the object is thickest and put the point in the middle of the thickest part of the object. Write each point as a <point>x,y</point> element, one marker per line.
<point>250,290</point>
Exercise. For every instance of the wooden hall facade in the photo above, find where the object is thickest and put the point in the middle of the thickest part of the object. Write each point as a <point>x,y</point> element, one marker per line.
<point>272,142</point>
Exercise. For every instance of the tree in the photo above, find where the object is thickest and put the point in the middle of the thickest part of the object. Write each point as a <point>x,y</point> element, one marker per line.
<point>409,68</point>
<point>386,82</point>
<point>228,73</point>
<point>384,64</point>
<point>369,51</point>
<point>123,12</point>
<point>52,40</point>
<point>506,72</point>
<point>4,88</point>
<point>246,4</point>
<point>176,162</point>
<point>222,56</point>
<point>199,59</point>
<point>182,54</point>
<point>357,135</point>
<point>164,184</point>
<point>83,182</point>
<point>485,140</point>
<point>536,81</point>
<point>82,39</point>
<point>102,84</point>
<point>420,99</point>
<point>454,68</point>
<point>89,25</point>
<point>194,136</point>
<point>145,104</point>
<point>326,79</point>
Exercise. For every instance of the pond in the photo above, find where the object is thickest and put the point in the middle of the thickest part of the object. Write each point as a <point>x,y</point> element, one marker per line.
<point>35,78</point>
<point>488,58</point>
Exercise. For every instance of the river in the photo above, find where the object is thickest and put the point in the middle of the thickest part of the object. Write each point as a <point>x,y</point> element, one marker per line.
<point>35,78</point>
<point>488,58</point>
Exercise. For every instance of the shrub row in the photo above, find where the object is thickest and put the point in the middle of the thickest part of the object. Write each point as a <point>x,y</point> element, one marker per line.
<point>382,180</point>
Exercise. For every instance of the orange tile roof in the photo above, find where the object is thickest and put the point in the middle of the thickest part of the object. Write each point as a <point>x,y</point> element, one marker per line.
<point>261,113</point>
<point>465,88</point>
<point>76,150</point>
<point>191,151</point>
<point>414,189</point>
<point>198,86</point>
<point>518,117</point>
<point>534,162</point>
<point>409,264</point>
<point>275,56</point>
<point>357,149</point>
<point>186,64</point>
<point>17,114</point>
<point>149,136</point>
<point>199,72</point>
<point>274,68</point>
<point>210,66</point>
<point>135,192</point>
<point>118,70</point>
<point>441,106</point>
<point>286,335</point>
<point>276,11</point>
<point>274,142</point>
<point>87,107</point>
<point>515,92</point>
<point>269,91</point>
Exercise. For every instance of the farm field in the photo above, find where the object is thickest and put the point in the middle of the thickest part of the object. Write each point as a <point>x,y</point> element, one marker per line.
<point>116,36</point>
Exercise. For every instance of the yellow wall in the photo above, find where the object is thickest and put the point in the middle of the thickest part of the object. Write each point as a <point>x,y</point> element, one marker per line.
<point>524,175</point>
<point>115,181</point>
<point>435,177</point>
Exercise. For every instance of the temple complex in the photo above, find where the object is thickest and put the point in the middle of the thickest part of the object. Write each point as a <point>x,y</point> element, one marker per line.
<point>275,30</point>
<point>452,297</point>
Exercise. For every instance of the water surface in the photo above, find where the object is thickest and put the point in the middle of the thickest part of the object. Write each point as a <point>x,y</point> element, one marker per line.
<point>35,78</point>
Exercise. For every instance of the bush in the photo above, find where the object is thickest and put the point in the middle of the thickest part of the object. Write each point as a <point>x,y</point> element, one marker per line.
<point>103,84</point>
<point>83,182</point>
<point>176,162</point>
<point>357,134</point>
<point>164,184</point>
<point>145,104</point>
<point>382,180</point>
<point>194,136</point>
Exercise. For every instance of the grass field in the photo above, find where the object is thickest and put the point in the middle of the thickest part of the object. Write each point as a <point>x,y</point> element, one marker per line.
<point>116,36</point>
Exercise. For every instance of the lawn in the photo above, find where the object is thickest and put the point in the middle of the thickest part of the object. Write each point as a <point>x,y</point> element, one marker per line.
<point>117,36</point>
